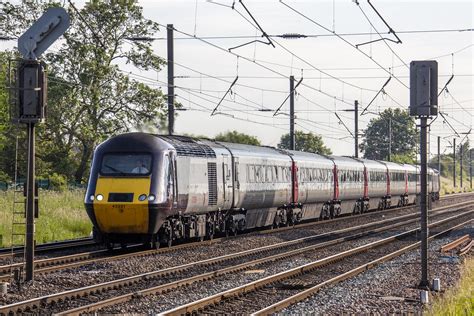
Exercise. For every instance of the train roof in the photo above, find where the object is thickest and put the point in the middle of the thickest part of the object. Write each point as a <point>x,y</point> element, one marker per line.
<point>372,164</point>
<point>307,156</point>
<point>346,161</point>
<point>251,150</point>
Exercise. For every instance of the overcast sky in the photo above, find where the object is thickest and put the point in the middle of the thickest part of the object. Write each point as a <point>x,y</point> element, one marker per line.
<point>334,73</point>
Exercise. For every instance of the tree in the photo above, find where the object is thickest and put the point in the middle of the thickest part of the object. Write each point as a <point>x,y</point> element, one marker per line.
<point>4,118</point>
<point>375,144</point>
<point>308,142</point>
<point>236,137</point>
<point>90,98</point>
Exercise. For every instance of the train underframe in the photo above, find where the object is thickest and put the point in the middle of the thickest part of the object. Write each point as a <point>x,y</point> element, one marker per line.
<point>205,226</point>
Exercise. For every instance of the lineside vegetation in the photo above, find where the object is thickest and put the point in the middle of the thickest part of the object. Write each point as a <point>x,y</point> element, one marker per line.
<point>61,217</point>
<point>460,299</point>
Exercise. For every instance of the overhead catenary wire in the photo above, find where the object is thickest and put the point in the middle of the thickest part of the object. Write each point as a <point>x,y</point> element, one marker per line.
<point>380,35</point>
<point>259,64</point>
<point>295,35</point>
<point>346,41</point>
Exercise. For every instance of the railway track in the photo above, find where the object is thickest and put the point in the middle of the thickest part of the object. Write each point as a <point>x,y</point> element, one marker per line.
<point>273,293</point>
<point>87,241</point>
<point>6,253</point>
<point>167,279</point>
<point>58,245</point>
<point>75,260</point>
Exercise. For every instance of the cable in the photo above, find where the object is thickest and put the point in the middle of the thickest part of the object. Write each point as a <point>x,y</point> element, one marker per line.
<point>254,62</point>
<point>380,35</point>
<point>346,41</point>
<point>309,35</point>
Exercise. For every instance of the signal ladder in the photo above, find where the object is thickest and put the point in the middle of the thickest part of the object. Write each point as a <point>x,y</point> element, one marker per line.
<point>18,223</point>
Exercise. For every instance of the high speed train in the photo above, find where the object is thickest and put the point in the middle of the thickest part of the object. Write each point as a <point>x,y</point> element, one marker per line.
<point>159,189</point>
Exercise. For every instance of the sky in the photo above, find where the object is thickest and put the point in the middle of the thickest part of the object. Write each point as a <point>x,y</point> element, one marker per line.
<point>335,73</point>
<point>326,63</point>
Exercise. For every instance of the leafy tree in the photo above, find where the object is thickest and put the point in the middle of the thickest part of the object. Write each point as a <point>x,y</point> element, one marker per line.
<point>90,98</point>
<point>375,144</point>
<point>308,142</point>
<point>236,137</point>
<point>403,158</point>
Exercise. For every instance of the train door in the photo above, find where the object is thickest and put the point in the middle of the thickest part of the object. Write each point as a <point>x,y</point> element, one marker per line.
<point>227,180</point>
<point>366,182</point>
<point>236,184</point>
<point>294,180</point>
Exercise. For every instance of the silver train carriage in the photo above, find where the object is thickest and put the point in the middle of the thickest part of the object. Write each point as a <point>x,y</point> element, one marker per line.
<point>151,188</point>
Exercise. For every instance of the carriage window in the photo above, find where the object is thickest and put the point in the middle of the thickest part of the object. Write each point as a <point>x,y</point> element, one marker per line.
<point>269,174</point>
<point>126,164</point>
<point>251,173</point>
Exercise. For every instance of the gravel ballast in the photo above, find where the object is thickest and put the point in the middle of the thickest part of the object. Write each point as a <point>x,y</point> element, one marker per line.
<point>388,288</point>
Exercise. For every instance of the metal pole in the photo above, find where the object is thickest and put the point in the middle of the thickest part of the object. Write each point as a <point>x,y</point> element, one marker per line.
<point>439,161</point>
<point>30,205</point>
<point>169,28</point>
<point>356,128</point>
<point>390,139</point>
<point>439,155</point>
<point>454,162</point>
<point>460,163</point>
<point>470,166</point>
<point>292,113</point>
<point>423,204</point>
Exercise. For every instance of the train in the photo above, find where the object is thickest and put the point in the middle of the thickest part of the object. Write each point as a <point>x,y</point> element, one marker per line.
<point>160,189</point>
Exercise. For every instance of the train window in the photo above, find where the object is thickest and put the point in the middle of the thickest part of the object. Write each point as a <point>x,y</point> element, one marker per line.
<point>131,164</point>
<point>251,173</point>
<point>259,174</point>
<point>269,174</point>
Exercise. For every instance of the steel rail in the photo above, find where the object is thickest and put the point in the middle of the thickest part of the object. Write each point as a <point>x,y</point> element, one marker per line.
<point>18,307</point>
<point>464,250</point>
<point>454,244</point>
<point>252,286</point>
<point>71,261</point>
<point>64,244</point>
<point>309,292</point>
<point>214,274</point>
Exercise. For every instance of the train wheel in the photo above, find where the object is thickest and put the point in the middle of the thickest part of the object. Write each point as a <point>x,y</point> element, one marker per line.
<point>170,242</point>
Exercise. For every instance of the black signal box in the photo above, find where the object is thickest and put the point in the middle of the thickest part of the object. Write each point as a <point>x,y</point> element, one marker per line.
<point>424,88</point>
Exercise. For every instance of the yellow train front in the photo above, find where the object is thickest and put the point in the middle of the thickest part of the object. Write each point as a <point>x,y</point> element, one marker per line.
<point>128,194</point>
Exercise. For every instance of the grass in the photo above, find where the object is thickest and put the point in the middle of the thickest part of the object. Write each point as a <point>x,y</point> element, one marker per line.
<point>460,299</point>
<point>61,216</point>
<point>447,186</point>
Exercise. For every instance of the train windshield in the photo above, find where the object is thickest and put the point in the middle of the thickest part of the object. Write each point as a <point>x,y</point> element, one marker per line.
<point>123,164</point>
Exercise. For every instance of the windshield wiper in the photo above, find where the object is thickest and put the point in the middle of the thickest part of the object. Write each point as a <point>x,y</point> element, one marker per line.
<point>115,170</point>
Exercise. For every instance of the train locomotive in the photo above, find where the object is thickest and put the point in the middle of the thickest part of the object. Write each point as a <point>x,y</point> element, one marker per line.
<point>158,189</point>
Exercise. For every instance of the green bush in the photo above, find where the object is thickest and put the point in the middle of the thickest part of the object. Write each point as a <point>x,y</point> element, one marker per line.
<point>57,182</point>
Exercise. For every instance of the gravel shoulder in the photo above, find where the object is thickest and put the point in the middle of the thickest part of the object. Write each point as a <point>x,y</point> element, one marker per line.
<point>388,288</point>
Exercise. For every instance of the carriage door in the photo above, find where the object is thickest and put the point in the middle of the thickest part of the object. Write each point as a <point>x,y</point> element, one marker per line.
<point>236,186</point>
<point>227,180</point>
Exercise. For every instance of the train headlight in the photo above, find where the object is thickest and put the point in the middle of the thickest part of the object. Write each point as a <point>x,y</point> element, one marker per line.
<point>142,197</point>
<point>99,197</point>
<point>151,197</point>
<point>91,197</point>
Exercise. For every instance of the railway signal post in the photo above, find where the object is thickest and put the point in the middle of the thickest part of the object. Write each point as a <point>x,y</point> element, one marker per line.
<point>170,65</point>
<point>454,162</point>
<point>424,105</point>
<point>292,113</point>
<point>31,104</point>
